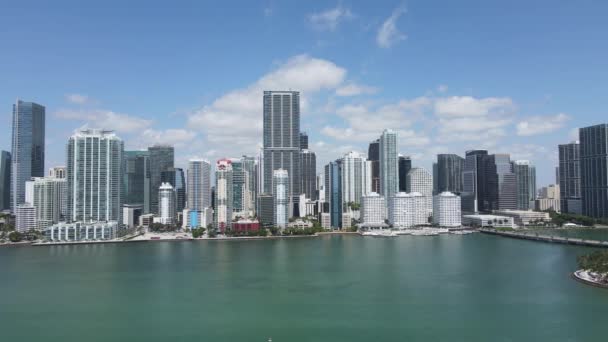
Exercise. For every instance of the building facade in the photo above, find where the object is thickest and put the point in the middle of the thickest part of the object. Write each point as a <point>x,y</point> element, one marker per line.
<point>199,184</point>
<point>389,164</point>
<point>162,158</point>
<point>49,197</point>
<point>95,176</point>
<point>405,165</point>
<point>25,218</point>
<point>309,174</point>
<point>356,178</point>
<point>175,177</point>
<point>420,181</point>
<point>373,155</point>
<point>280,194</point>
<point>223,195</point>
<point>27,154</point>
<point>373,210</point>
<point>81,231</point>
<point>5,180</point>
<point>447,210</point>
<point>594,170</point>
<point>525,175</point>
<point>167,203</point>
<point>570,178</point>
<point>450,168</point>
<point>137,179</point>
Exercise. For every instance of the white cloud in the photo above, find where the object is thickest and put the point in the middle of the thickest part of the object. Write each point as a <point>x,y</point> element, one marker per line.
<point>353,89</point>
<point>330,19</point>
<point>461,106</point>
<point>541,124</point>
<point>176,137</point>
<point>388,33</point>
<point>122,123</point>
<point>78,99</point>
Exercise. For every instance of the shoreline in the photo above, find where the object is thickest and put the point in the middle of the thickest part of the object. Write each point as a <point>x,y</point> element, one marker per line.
<point>580,276</point>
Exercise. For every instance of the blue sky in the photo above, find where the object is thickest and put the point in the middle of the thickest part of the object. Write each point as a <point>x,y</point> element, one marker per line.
<point>509,76</point>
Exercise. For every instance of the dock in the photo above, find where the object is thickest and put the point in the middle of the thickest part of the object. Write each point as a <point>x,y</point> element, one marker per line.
<point>546,238</point>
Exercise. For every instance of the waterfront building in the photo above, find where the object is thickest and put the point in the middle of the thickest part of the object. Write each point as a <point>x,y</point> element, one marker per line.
<point>570,178</point>
<point>81,231</point>
<point>325,219</point>
<point>25,217</point>
<point>58,172</point>
<point>27,154</point>
<point>303,141</point>
<point>447,210</point>
<point>373,211</point>
<point>420,180</point>
<point>282,138</point>
<point>266,211</point>
<point>175,177</point>
<point>167,203</point>
<point>524,217</point>
<point>389,164</point>
<point>405,165</point>
<point>95,175</point>
<point>246,225</point>
<point>5,180</point>
<point>484,221</point>
<point>300,224</point>
<point>137,179</point>
<point>199,184</point>
<point>356,178</point>
<point>544,204</point>
<point>373,155</point>
<point>240,190</point>
<point>49,197</point>
<point>131,214</point>
<point>223,195</point>
<point>280,195</point>
<point>525,175</point>
<point>450,168</point>
<point>146,220</point>
<point>162,158</point>
<point>250,166</point>
<point>333,192</point>
<point>408,210</point>
<point>309,174</point>
<point>197,219</point>
<point>505,189</point>
<point>347,220</point>
<point>594,170</point>
<point>473,181</point>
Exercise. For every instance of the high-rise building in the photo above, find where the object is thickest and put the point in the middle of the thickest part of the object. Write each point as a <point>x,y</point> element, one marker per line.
<point>162,158</point>
<point>356,178</point>
<point>266,210</point>
<point>25,217</point>
<point>373,155</point>
<point>373,209</point>
<point>525,175</point>
<point>223,195</point>
<point>95,176</point>
<point>27,155</point>
<point>303,141</point>
<point>405,165</point>
<point>447,210</point>
<point>280,194</point>
<point>5,180</point>
<point>282,138</point>
<point>250,165</point>
<point>473,177</point>
<point>137,179</point>
<point>507,182</point>
<point>389,164</point>
<point>408,210</point>
<point>570,178</point>
<point>420,180</point>
<point>199,184</point>
<point>309,174</point>
<point>58,172</point>
<point>594,170</point>
<point>450,169</point>
<point>333,192</point>
<point>166,203</point>
<point>175,177</point>
<point>241,205</point>
<point>48,196</point>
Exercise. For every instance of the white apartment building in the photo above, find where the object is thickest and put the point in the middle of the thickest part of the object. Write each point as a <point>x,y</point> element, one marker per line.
<point>280,193</point>
<point>420,181</point>
<point>166,203</point>
<point>447,210</point>
<point>80,231</point>
<point>373,210</point>
<point>25,217</point>
<point>408,210</point>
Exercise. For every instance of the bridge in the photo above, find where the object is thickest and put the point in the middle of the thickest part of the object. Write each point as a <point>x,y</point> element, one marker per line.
<point>546,238</point>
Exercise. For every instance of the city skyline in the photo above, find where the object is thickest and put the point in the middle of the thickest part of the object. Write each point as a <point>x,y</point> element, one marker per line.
<point>418,93</point>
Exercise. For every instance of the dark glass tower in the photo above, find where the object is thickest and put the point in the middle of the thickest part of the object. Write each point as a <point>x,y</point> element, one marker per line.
<point>303,141</point>
<point>473,180</point>
<point>405,165</point>
<point>309,174</point>
<point>594,170</point>
<point>333,192</point>
<point>5,180</point>
<point>137,179</point>
<point>449,173</point>
<point>27,155</point>
<point>161,159</point>
<point>282,138</point>
<point>373,155</point>
<point>570,178</point>
<point>175,177</point>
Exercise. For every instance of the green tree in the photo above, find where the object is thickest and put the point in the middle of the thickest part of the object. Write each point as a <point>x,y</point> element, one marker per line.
<point>15,236</point>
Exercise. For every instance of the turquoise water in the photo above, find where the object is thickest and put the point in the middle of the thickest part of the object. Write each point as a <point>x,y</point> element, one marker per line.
<point>600,234</point>
<point>334,288</point>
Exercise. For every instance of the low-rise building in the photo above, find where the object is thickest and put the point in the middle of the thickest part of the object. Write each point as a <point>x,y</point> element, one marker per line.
<point>482,221</point>
<point>81,231</point>
<point>545,204</point>
<point>131,214</point>
<point>146,220</point>
<point>325,220</point>
<point>25,218</point>
<point>524,217</point>
<point>193,219</point>
<point>300,224</point>
<point>246,226</point>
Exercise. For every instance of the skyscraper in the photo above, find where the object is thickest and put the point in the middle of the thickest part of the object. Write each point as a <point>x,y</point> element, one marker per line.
<point>333,192</point>
<point>58,172</point>
<point>166,203</point>
<point>223,195</point>
<point>27,155</point>
<point>473,185</point>
<point>250,165</point>
<point>405,165</point>
<point>594,170</point>
<point>507,182</point>
<point>421,181</point>
<point>5,180</point>
<point>309,174</point>
<point>161,159</point>
<point>389,165</point>
<point>525,175</point>
<point>240,189</point>
<point>450,168</point>
<point>199,184</point>
<point>282,138</point>
<point>570,178</point>
<point>95,176</point>
<point>303,141</point>
<point>356,178</point>
<point>373,155</point>
<point>280,194</point>
<point>137,179</point>
<point>175,177</point>
<point>49,198</point>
